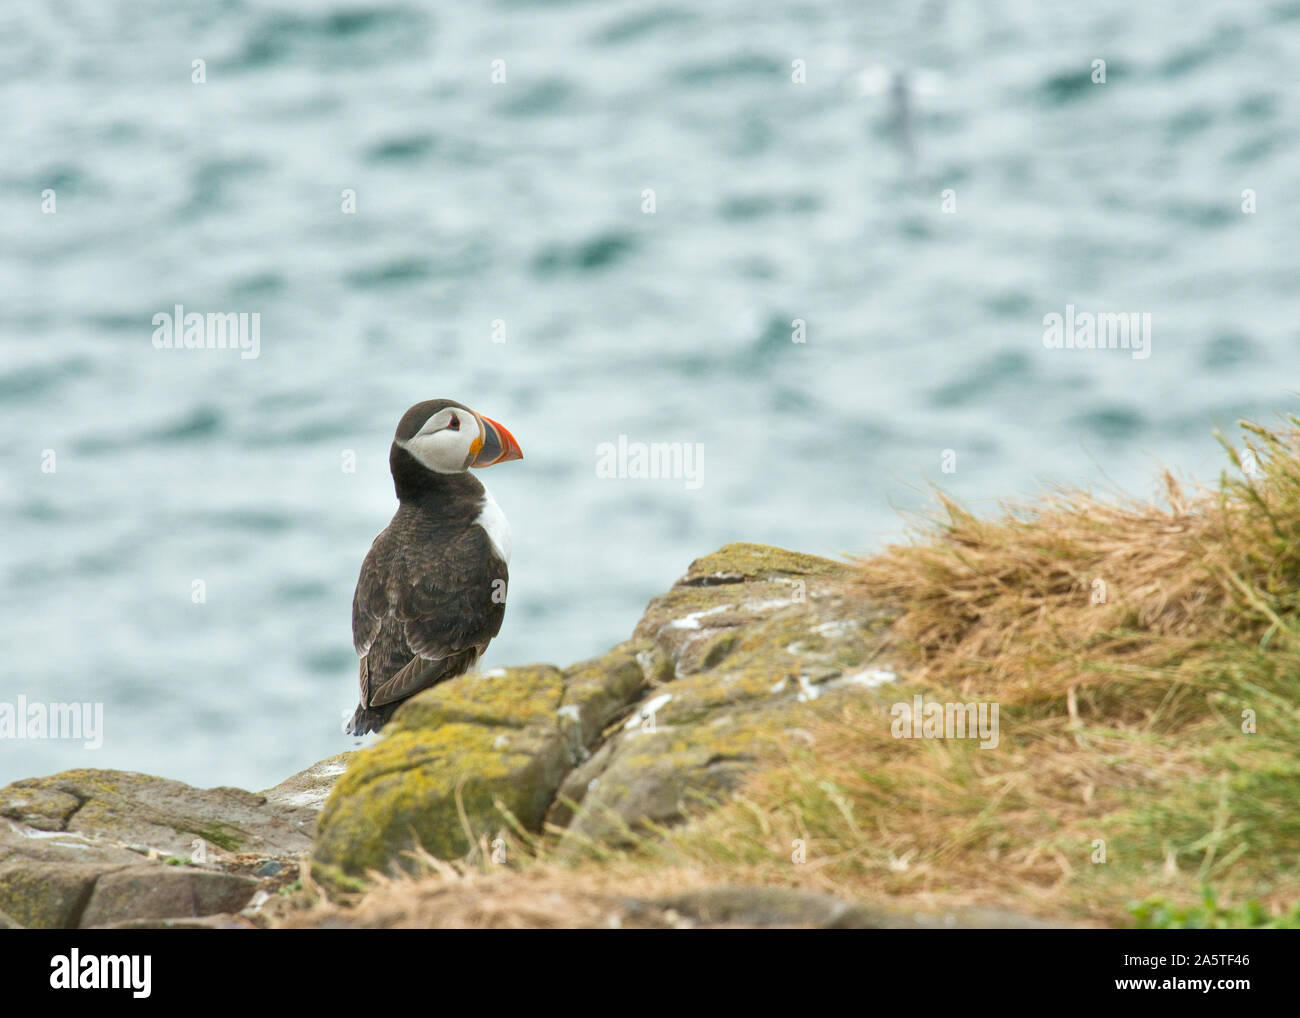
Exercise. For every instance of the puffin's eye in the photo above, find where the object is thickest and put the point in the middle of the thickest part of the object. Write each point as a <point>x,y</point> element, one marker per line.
<point>454,423</point>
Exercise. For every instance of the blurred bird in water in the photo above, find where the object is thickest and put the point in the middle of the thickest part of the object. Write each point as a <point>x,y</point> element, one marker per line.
<point>903,88</point>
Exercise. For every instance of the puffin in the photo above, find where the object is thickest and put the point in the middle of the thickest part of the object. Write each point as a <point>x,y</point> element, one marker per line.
<point>431,594</point>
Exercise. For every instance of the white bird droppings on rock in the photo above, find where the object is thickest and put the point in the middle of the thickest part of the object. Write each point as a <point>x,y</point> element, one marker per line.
<point>647,710</point>
<point>779,602</point>
<point>32,832</point>
<point>871,678</point>
<point>692,621</point>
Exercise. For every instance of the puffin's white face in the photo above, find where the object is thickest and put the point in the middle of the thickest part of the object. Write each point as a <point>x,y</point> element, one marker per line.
<point>448,441</point>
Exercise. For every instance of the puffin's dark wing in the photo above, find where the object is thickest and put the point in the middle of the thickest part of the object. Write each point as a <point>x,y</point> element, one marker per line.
<point>421,673</point>
<point>370,601</point>
<point>418,619</point>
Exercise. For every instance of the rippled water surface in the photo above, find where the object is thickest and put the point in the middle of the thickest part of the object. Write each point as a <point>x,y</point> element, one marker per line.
<point>522,202</point>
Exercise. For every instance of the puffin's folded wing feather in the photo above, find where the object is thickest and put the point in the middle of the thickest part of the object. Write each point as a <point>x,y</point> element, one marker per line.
<point>419,625</point>
<point>370,604</point>
<point>421,673</point>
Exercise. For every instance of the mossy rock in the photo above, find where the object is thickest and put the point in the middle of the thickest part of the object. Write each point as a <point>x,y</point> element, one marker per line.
<point>45,895</point>
<point>147,812</point>
<point>731,590</point>
<point>598,691</point>
<point>37,805</point>
<point>735,563</point>
<point>649,778</point>
<point>506,698</point>
<point>309,788</point>
<point>409,789</point>
<point>760,639</point>
<point>487,738</point>
<point>89,847</point>
<point>148,891</point>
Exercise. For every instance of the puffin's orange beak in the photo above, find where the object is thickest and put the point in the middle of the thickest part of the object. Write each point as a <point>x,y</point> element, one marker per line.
<point>498,445</point>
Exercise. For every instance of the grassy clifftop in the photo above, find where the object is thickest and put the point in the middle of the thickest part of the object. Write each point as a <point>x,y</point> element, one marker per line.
<point>1145,662</point>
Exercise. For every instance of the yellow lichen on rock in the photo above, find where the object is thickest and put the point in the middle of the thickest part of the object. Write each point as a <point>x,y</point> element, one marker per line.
<point>468,758</point>
<point>411,787</point>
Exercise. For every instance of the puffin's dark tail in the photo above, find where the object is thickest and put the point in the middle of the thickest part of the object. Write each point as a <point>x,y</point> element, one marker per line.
<point>370,719</point>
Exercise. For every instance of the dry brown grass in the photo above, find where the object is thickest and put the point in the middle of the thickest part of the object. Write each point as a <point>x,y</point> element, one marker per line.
<point>470,894</point>
<point>1120,714</point>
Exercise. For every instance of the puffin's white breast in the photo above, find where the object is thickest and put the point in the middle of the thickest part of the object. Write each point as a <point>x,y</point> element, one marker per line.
<point>493,520</point>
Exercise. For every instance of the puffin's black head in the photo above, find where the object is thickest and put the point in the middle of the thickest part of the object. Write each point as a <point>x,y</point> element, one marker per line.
<point>442,436</point>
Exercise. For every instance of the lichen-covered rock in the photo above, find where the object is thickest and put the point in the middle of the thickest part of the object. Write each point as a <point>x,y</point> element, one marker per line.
<point>501,698</point>
<point>598,691</point>
<point>46,895</point>
<point>743,561</point>
<point>698,622</point>
<point>469,757</point>
<point>753,636</point>
<point>90,847</point>
<point>439,788</point>
<point>308,789</point>
<point>652,777</point>
<point>145,812</point>
<point>146,891</point>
